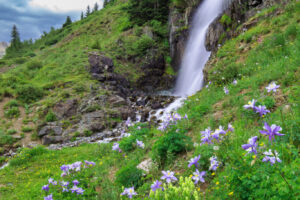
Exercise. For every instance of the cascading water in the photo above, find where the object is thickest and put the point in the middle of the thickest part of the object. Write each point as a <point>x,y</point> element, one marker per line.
<point>190,79</point>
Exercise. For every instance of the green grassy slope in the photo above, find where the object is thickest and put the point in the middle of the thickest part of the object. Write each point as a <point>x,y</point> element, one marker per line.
<point>267,52</point>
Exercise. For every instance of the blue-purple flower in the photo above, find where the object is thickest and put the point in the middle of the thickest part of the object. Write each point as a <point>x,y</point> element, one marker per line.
<point>214,163</point>
<point>194,161</point>
<point>251,146</point>
<point>46,188</point>
<point>51,181</point>
<point>156,185</point>
<point>230,128</point>
<point>140,144</point>
<point>89,163</point>
<point>198,176</point>
<point>168,176</point>
<point>75,182</point>
<point>262,110</point>
<point>250,105</point>
<point>271,157</point>
<point>76,189</point>
<point>206,136</point>
<point>272,87</point>
<point>271,131</point>
<point>116,147</point>
<point>226,91</point>
<point>234,82</point>
<point>217,132</point>
<point>129,192</point>
<point>128,122</point>
<point>64,185</point>
<point>49,197</point>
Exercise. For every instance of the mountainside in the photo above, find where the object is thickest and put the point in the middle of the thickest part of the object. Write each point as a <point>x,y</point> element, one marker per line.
<point>87,94</point>
<point>3,46</point>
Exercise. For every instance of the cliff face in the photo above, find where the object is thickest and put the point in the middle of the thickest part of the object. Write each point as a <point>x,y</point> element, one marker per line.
<point>3,46</point>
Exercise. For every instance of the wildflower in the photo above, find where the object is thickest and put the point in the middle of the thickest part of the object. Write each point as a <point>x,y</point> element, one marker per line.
<point>272,87</point>
<point>198,176</point>
<point>129,192</point>
<point>76,166</point>
<point>140,144</point>
<point>206,136</point>
<point>64,168</point>
<point>226,91</point>
<point>213,163</point>
<point>64,186</point>
<point>76,189</point>
<point>262,110</point>
<point>49,197</point>
<point>194,161</point>
<point>230,128</point>
<point>217,183</point>
<point>156,185</point>
<point>251,146</point>
<point>139,128</point>
<point>169,176</point>
<point>185,116</point>
<point>51,181</point>
<point>217,132</point>
<point>116,147</point>
<point>89,163</point>
<point>230,193</point>
<point>128,122</point>
<point>250,105</point>
<point>234,82</point>
<point>46,188</point>
<point>271,157</point>
<point>216,148</point>
<point>75,182</point>
<point>271,131</point>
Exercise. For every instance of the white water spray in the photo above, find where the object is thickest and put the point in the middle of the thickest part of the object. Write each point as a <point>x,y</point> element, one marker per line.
<point>190,78</point>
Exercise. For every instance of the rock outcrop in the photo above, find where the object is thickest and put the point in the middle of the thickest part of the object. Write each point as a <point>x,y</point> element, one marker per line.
<point>3,46</point>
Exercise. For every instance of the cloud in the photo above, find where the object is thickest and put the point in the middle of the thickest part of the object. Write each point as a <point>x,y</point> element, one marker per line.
<point>32,17</point>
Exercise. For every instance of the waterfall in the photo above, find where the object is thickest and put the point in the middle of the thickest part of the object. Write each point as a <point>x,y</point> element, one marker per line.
<point>190,78</point>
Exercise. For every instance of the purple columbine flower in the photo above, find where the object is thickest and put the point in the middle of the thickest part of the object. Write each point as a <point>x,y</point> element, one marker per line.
<point>128,122</point>
<point>168,176</point>
<point>75,182</point>
<point>226,91</point>
<point>76,166</point>
<point>251,146</point>
<point>250,105</point>
<point>49,197</point>
<point>230,128</point>
<point>176,117</point>
<point>51,180</point>
<point>129,192</point>
<point>217,132</point>
<point>89,163</point>
<point>65,168</point>
<point>271,131</point>
<point>206,136</point>
<point>262,110</point>
<point>76,189</point>
<point>272,87</point>
<point>213,163</point>
<point>116,147</point>
<point>198,176</point>
<point>140,144</point>
<point>64,185</point>
<point>234,82</point>
<point>185,116</point>
<point>46,188</point>
<point>194,161</point>
<point>270,157</point>
<point>156,185</point>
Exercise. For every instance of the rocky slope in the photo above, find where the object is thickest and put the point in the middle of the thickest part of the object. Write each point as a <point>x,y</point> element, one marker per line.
<point>3,46</point>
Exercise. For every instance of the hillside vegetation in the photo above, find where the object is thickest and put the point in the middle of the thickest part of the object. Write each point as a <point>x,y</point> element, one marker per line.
<point>238,73</point>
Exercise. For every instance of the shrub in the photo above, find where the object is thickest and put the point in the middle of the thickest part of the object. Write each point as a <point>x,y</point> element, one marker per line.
<point>20,60</point>
<point>30,54</point>
<point>96,45</point>
<point>129,176</point>
<point>26,129</point>
<point>127,144</point>
<point>29,93</point>
<point>171,144</point>
<point>6,139</point>
<point>50,117</point>
<point>34,64</point>
<point>226,20</point>
<point>142,45</point>
<point>13,112</point>
<point>11,131</point>
<point>11,104</point>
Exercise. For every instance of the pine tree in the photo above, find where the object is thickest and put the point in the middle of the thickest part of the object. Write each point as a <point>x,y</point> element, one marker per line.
<point>81,16</point>
<point>68,21</point>
<point>96,7</point>
<point>88,11</point>
<point>105,3</point>
<point>15,38</point>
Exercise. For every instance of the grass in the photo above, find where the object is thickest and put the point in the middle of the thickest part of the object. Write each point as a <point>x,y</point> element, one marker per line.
<point>275,57</point>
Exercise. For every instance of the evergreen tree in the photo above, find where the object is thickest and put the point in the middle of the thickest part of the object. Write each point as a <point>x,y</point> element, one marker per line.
<point>88,11</point>
<point>96,7</point>
<point>81,16</point>
<point>15,39</point>
<point>68,21</point>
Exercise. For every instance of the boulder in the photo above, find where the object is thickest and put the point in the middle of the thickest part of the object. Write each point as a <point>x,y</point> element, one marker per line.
<point>46,140</point>
<point>100,63</point>
<point>51,129</point>
<point>66,109</point>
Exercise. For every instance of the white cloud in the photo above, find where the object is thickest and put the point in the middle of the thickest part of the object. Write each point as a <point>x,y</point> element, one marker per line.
<point>64,5</point>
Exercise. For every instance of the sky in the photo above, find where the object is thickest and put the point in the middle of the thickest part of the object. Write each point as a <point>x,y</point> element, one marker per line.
<point>33,17</point>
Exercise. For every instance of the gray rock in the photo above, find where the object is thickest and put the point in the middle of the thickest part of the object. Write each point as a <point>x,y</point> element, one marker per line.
<point>66,109</point>
<point>53,130</point>
<point>46,140</point>
<point>100,63</point>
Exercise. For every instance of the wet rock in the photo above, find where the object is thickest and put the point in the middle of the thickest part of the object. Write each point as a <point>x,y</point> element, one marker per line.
<point>66,109</point>
<point>51,129</point>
